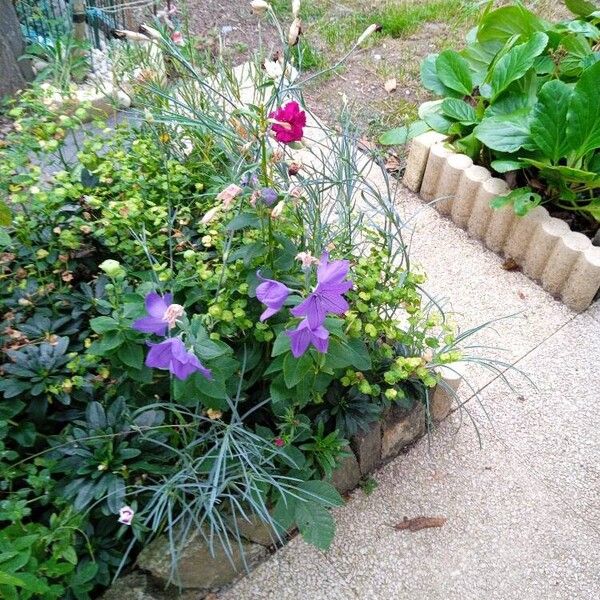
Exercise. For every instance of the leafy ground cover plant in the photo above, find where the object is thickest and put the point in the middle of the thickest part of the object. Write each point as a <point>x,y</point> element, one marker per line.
<point>521,99</point>
<point>195,319</point>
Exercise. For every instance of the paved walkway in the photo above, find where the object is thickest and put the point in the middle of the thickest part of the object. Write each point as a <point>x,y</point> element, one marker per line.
<point>523,510</point>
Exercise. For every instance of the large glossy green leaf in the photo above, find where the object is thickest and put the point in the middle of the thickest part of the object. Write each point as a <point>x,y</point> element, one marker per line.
<point>588,178</point>
<point>505,134</point>
<point>583,8</point>
<point>453,71</point>
<point>459,110</point>
<point>507,21</point>
<point>516,62</point>
<point>430,79</point>
<point>583,118</point>
<point>549,122</point>
<point>401,135</point>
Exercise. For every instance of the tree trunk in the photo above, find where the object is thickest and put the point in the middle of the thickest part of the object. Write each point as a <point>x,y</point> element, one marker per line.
<point>14,73</point>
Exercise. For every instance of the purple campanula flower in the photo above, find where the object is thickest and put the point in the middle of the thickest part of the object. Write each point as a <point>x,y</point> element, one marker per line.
<point>172,355</point>
<point>268,196</point>
<point>305,335</point>
<point>272,294</point>
<point>162,314</point>
<point>328,295</point>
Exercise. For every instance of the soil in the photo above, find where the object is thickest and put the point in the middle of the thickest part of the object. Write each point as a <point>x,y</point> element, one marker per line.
<point>228,26</point>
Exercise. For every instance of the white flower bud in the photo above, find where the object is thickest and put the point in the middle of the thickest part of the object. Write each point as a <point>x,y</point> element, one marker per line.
<point>295,31</point>
<point>295,8</point>
<point>276,212</point>
<point>259,7</point>
<point>370,30</point>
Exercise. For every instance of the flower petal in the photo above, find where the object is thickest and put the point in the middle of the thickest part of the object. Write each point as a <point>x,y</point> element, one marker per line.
<point>156,304</point>
<point>312,309</point>
<point>150,325</point>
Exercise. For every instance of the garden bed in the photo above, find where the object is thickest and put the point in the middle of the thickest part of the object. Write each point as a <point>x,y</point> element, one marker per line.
<point>200,572</point>
<point>565,262</point>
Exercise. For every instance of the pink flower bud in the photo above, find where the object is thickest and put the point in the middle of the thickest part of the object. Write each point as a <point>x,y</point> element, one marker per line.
<point>229,194</point>
<point>126,515</point>
<point>276,212</point>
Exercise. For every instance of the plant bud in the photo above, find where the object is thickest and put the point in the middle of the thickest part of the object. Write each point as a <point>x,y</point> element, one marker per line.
<point>276,212</point>
<point>295,31</point>
<point>370,30</point>
<point>259,7</point>
<point>295,8</point>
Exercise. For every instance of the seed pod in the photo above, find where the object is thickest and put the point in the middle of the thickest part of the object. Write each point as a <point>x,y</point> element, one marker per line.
<point>370,30</point>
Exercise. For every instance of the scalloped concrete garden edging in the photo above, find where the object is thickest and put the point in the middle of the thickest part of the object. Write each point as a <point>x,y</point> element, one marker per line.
<point>564,262</point>
<point>201,573</point>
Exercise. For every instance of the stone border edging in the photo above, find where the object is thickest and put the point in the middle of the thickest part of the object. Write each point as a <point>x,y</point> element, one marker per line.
<point>200,573</point>
<point>564,262</point>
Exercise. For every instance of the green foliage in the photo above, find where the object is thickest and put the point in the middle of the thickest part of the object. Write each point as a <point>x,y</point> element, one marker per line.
<point>527,101</point>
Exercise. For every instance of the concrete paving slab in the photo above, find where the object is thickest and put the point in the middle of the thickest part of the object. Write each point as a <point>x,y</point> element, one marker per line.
<point>554,429</point>
<point>296,572</point>
<point>507,537</point>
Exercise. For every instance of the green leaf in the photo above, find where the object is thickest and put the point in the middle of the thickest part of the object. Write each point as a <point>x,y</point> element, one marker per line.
<point>295,369</point>
<point>5,240</point>
<point>401,135</point>
<point>549,122</point>
<point>583,117</point>
<point>315,524</point>
<point>103,324</point>
<point>516,62</point>
<point>5,215</point>
<point>430,79</point>
<point>281,344</point>
<point>504,166</point>
<point>243,220</point>
<point>583,27</point>
<point>505,134</point>
<point>503,23</point>
<point>522,199</point>
<point>131,354</point>
<point>95,415</point>
<point>459,110</point>
<point>453,71</point>
<point>320,492</point>
<point>583,8</point>
<point>109,341</point>
<point>590,178</point>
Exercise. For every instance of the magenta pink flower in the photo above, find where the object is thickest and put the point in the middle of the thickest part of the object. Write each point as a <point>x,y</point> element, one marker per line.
<point>288,123</point>
<point>279,442</point>
<point>305,335</point>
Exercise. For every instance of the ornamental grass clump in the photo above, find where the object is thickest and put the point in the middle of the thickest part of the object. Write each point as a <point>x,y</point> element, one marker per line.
<point>199,313</point>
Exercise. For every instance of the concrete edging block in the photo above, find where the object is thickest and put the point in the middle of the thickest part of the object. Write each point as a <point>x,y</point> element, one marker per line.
<point>541,246</point>
<point>440,403</point>
<point>583,282</point>
<point>433,170</point>
<point>466,192</point>
<point>545,247</point>
<point>569,248</point>
<point>418,156</point>
<point>481,211</point>
<point>453,169</point>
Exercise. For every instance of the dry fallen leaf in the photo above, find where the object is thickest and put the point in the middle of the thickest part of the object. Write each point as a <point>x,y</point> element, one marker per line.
<point>418,523</point>
<point>390,85</point>
<point>509,265</point>
<point>392,164</point>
